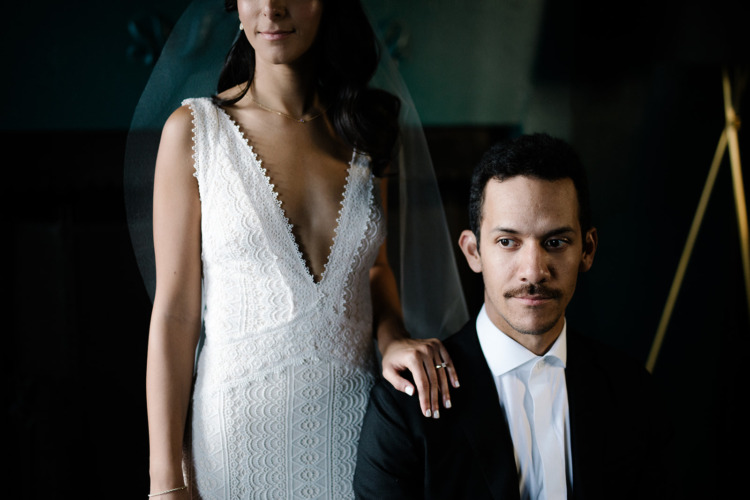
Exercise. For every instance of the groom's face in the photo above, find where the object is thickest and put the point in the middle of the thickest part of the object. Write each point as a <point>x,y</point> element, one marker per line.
<point>530,253</point>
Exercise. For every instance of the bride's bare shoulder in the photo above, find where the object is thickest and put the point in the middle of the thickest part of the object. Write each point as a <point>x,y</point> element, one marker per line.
<point>176,143</point>
<point>179,125</point>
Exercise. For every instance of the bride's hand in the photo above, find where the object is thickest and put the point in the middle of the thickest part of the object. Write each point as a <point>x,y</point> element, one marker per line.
<point>430,366</point>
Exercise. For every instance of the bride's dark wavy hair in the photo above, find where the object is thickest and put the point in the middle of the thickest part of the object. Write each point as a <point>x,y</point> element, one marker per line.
<point>346,59</point>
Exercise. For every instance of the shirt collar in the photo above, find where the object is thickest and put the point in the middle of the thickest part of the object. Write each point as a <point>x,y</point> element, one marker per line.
<point>504,354</point>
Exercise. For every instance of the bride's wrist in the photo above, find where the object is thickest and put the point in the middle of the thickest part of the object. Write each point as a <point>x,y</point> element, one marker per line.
<point>165,475</point>
<point>388,334</point>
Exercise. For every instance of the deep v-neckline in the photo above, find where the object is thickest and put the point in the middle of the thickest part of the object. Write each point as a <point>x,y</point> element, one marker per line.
<point>257,162</point>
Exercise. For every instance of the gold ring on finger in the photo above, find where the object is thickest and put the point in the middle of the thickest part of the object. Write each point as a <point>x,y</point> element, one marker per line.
<point>443,365</point>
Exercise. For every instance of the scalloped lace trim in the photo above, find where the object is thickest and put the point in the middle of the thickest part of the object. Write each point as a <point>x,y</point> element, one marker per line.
<point>258,162</point>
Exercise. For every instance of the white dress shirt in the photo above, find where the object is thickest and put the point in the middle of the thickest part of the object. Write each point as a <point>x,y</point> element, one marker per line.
<point>534,397</point>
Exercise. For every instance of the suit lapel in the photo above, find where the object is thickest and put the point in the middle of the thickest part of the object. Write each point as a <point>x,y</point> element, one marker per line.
<point>481,417</point>
<point>585,392</point>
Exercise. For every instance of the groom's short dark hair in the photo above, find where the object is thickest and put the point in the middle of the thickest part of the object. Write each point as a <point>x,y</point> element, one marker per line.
<point>536,155</point>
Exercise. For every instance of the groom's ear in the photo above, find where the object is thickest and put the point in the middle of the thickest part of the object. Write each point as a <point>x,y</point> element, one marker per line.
<point>590,243</point>
<point>468,243</point>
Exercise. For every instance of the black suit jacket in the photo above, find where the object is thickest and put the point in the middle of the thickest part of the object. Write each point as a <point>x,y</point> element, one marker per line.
<point>618,433</point>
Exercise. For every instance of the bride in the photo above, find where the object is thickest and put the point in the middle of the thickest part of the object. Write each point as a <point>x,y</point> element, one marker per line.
<point>269,226</point>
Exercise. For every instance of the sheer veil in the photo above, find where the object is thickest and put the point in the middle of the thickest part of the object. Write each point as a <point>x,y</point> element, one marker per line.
<point>189,66</point>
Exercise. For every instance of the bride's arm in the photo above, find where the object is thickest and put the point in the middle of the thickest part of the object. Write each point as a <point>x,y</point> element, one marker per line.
<point>402,353</point>
<point>176,315</point>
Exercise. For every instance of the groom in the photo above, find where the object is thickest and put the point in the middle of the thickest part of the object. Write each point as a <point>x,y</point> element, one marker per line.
<point>542,412</point>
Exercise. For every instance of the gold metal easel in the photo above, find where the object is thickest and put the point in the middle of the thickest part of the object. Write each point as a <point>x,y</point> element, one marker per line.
<point>728,139</point>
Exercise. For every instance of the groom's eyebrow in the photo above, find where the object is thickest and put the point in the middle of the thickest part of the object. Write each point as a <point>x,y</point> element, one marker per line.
<point>552,232</point>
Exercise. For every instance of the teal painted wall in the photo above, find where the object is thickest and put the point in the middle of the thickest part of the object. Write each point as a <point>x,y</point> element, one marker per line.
<point>462,65</point>
<point>465,63</point>
<point>66,65</point>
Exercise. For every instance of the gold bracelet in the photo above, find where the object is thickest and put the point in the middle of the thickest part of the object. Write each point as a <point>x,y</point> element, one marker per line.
<point>167,491</point>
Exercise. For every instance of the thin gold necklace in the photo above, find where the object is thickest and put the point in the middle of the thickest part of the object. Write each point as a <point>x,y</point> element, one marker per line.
<point>280,113</point>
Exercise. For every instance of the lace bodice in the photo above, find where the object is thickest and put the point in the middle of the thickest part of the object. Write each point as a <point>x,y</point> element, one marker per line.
<point>287,361</point>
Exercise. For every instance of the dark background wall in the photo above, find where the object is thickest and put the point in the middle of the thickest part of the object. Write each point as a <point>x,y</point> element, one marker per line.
<point>636,88</point>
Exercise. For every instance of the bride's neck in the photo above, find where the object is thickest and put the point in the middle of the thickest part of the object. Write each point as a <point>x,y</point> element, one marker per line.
<point>284,88</point>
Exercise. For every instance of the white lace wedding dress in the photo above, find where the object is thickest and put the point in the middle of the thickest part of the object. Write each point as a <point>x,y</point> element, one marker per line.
<point>285,371</point>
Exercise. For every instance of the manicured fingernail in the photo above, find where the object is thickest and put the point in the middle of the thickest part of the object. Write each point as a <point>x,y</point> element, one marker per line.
<point>456,384</point>
<point>409,390</point>
<point>428,413</point>
<point>448,403</point>
<point>436,414</point>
